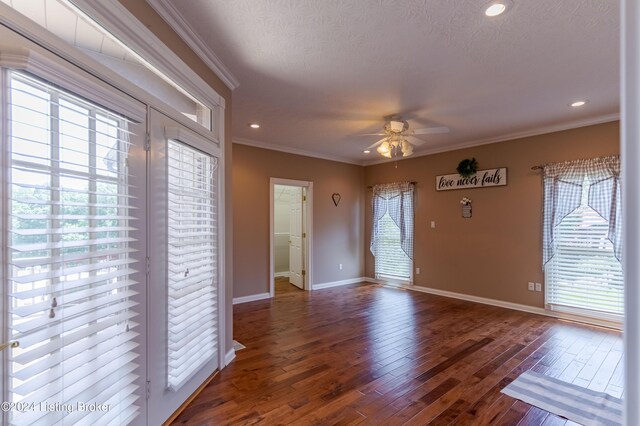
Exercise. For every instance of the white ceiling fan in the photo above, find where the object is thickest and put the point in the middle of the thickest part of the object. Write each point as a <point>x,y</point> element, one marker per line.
<point>398,140</point>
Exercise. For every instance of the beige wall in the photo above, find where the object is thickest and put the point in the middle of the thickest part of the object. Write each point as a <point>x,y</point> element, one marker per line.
<point>145,14</point>
<point>495,253</point>
<point>337,231</point>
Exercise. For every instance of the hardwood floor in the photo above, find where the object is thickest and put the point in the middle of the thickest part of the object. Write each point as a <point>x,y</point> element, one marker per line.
<point>367,354</point>
<point>283,286</point>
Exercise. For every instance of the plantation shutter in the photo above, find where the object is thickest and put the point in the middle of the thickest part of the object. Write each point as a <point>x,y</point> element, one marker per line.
<point>192,267</point>
<point>71,283</point>
<point>584,274</point>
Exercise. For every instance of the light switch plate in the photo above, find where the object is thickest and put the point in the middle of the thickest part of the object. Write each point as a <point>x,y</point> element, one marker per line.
<point>531,286</point>
<point>538,287</point>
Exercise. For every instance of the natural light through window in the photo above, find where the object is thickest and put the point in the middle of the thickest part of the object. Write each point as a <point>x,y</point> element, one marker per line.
<point>584,275</point>
<point>66,21</point>
<point>392,232</point>
<point>391,261</point>
<point>192,253</point>
<point>71,266</point>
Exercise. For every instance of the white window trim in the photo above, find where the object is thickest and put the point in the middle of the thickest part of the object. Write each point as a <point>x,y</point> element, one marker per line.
<point>83,85</point>
<point>116,19</point>
<point>4,226</point>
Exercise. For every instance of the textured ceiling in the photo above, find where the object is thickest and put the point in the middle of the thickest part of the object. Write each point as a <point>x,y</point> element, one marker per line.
<point>315,74</point>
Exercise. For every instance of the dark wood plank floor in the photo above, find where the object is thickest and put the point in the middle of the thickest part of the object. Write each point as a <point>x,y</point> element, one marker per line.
<point>283,286</point>
<point>367,354</point>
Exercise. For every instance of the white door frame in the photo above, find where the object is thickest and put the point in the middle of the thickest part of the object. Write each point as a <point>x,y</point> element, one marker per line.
<point>307,260</point>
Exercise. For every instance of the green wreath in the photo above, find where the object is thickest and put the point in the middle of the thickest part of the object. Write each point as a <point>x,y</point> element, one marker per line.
<point>467,168</point>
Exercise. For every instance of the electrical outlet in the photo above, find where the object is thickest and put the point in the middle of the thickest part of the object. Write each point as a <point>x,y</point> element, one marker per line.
<point>531,286</point>
<point>417,271</point>
<point>433,224</point>
<point>538,287</point>
<point>340,266</point>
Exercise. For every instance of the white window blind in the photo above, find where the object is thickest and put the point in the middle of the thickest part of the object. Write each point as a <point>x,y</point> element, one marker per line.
<point>584,275</point>
<point>70,282</point>
<point>192,267</point>
<point>390,260</point>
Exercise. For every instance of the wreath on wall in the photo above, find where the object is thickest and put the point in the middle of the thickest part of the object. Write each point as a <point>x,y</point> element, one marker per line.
<point>467,167</point>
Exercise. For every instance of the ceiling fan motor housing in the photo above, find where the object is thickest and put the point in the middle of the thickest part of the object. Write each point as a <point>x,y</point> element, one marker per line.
<point>395,126</point>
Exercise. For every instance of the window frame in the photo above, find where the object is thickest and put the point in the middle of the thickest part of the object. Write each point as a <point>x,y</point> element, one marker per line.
<point>58,96</point>
<point>26,46</point>
<point>607,318</point>
<point>51,57</point>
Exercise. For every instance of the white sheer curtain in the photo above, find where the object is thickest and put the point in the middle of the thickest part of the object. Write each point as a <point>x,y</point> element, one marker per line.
<point>397,200</point>
<point>563,192</point>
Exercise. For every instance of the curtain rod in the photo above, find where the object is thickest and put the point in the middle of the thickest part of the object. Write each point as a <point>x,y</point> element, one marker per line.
<point>413,183</point>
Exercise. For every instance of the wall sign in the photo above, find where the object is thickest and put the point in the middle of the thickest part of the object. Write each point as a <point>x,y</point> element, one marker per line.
<point>482,179</point>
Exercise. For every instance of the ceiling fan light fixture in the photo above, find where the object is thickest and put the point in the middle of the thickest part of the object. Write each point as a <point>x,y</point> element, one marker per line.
<point>407,149</point>
<point>384,148</point>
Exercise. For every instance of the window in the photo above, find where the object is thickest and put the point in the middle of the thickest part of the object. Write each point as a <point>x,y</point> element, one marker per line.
<point>68,22</point>
<point>192,262</point>
<point>584,273</point>
<point>71,280</point>
<point>582,238</point>
<point>392,233</point>
<point>391,260</point>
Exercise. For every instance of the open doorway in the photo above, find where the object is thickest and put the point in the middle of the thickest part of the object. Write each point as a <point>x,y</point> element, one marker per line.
<point>290,236</point>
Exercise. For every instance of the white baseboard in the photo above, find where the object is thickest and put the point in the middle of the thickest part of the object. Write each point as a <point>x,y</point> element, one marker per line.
<point>230,356</point>
<point>251,298</point>
<point>338,283</point>
<point>503,304</point>
<point>281,274</point>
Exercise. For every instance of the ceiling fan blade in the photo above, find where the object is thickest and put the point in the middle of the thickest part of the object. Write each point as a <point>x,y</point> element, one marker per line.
<point>377,143</point>
<point>431,130</point>
<point>415,141</point>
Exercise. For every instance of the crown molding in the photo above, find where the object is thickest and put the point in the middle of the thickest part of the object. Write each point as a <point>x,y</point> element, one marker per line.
<point>508,137</point>
<point>295,151</point>
<point>176,21</point>
<point>511,136</point>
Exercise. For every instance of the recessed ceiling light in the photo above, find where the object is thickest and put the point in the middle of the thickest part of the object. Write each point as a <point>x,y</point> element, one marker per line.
<point>366,151</point>
<point>577,104</point>
<point>254,125</point>
<point>497,7</point>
